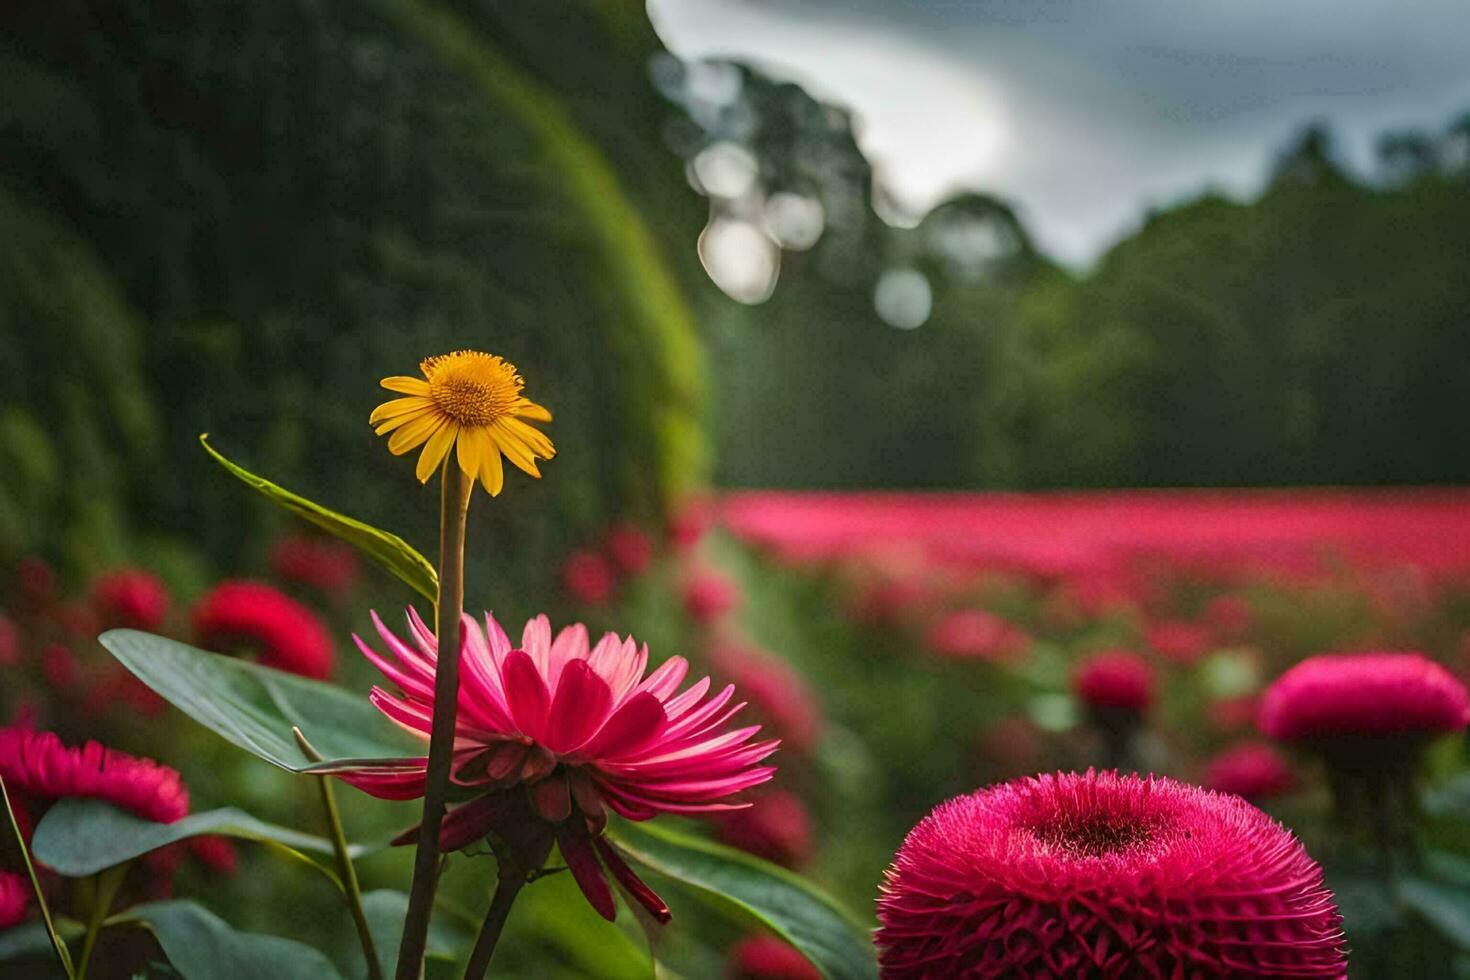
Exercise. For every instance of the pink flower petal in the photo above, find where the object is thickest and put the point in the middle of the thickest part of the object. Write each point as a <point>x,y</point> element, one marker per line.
<point>526,693</point>
<point>579,708</point>
<point>576,851</point>
<point>629,729</point>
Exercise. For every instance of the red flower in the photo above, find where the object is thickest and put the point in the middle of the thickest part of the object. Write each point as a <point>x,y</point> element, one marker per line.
<point>9,642</point>
<point>38,768</point>
<point>630,549</point>
<point>281,631</point>
<point>775,827</point>
<point>776,691</point>
<point>131,597</point>
<point>977,634</point>
<point>552,733</point>
<point>60,667</point>
<point>588,577</point>
<point>1068,875</point>
<point>768,958</point>
<point>1372,694</point>
<point>1178,640</point>
<point>708,595</point>
<point>1251,770</point>
<point>325,564</point>
<point>215,853</point>
<point>15,899</point>
<point>1115,679</point>
<point>36,580</point>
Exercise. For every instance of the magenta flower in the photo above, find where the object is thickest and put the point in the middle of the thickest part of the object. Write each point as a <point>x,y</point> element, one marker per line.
<point>131,597</point>
<point>768,958</point>
<point>1068,875</point>
<point>264,621</point>
<point>565,730</point>
<point>1364,694</point>
<point>589,577</point>
<point>15,899</point>
<point>974,634</point>
<point>1115,680</point>
<point>1251,770</point>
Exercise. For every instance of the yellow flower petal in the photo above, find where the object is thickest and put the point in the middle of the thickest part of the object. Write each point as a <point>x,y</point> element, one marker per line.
<point>399,406</point>
<point>492,474</point>
<point>535,439</point>
<point>514,449</point>
<point>530,410</point>
<point>415,432</point>
<point>468,451</point>
<point>409,386</point>
<point>435,451</point>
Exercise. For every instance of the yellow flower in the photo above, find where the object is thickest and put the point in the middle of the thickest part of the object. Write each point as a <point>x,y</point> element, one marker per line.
<point>470,402</point>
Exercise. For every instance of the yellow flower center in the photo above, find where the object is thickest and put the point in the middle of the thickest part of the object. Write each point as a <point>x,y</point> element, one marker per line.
<point>471,387</point>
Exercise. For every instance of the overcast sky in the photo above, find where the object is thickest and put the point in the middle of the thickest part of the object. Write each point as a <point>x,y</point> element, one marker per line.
<point>1087,112</point>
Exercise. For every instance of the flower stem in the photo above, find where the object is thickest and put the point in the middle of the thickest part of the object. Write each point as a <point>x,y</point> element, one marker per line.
<point>506,890</point>
<point>351,891</point>
<point>62,954</point>
<point>454,505</point>
<point>106,885</point>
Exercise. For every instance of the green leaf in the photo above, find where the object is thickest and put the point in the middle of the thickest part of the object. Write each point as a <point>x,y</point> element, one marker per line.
<point>1443,906</point>
<point>32,939</point>
<point>256,707</point>
<point>385,909</point>
<point>80,837</point>
<point>388,550</point>
<point>202,946</point>
<point>790,906</point>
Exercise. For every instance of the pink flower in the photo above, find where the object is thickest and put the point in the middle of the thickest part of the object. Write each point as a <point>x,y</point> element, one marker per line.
<point>265,621</point>
<point>325,564</point>
<point>1068,875</point>
<point>1370,694</point>
<point>974,634</point>
<point>1178,640</point>
<point>132,598</point>
<point>37,768</point>
<point>776,691</point>
<point>588,577</point>
<point>768,958</point>
<point>15,898</point>
<point>9,642</point>
<point>1229,715</point>
<point>214,852</point>
<point>60,667</point>
<point>775,826</point>
<point>562,729</point>
<point>1251,770</point>
<point>708,595</point>
<point>691,522</point>
<point>630,549</point>
<point>1115,679</point>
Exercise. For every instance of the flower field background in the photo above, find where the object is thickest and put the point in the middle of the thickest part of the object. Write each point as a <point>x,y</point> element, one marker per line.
<point>236,217</point>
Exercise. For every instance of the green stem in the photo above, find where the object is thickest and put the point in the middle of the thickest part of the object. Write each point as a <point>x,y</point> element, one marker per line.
<point>104,891</point>
<point>506,890</point>
<point>454,505</point>
<point>351,890</point>
<point>25,852</point>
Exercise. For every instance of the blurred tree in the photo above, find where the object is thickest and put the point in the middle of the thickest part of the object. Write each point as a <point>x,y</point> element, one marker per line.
<point>288,200</point>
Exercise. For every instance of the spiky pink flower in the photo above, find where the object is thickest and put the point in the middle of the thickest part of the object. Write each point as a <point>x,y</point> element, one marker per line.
<point>39,769</point>
<point>1370,694</point>
<point>768,958</point>
<point>1251,770</point>
<point>565,730</point>
<point>974,634</point>
<point>1066,875</point>
<point>1115,679</point>
<point>15,899</point>
<point>588,577</point>
<point>775,827</point>
<point>131,597</point>
<point>266,622</point>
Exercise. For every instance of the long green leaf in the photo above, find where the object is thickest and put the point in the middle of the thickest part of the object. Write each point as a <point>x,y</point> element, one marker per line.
<point>388,550</point>
<point>792,907</point>
<point>79,837</point>
<point>256,707</point>
<point>202,946</point>
<point>32,938</point>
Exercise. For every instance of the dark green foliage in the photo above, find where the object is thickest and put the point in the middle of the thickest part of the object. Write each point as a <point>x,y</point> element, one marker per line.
<point>287,201</point>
